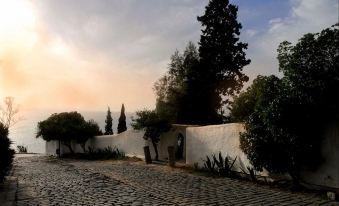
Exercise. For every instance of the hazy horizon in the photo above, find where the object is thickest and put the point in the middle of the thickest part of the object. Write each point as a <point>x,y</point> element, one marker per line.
<point>57,57</point>
<point>23,133</point>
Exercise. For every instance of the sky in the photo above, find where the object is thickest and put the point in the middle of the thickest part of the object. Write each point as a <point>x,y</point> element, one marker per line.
<point>87,55</point>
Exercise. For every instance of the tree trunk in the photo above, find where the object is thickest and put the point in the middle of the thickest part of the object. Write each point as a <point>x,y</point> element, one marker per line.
<point>83,146</point>
<point>69,146</point>
<point>156,150</point>
<point>148,158</point>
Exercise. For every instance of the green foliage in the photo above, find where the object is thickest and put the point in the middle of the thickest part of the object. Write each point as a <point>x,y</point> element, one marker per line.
<point>6,153</point>
<point>106,153</point>
<point>153,124</point>
<point>174,97</point>
<point>256,97</point>
<point>285,118</point>
<point>194,89</point>
<point>122,120</point>
<point>222,56</point>
<point>22,149</point>
<point>109,123</point>
<point>67,126</point>
<point>220,166</point>
<point>89,130</point>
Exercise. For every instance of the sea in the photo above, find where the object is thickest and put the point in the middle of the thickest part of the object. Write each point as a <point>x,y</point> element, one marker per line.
<point>23,133</point>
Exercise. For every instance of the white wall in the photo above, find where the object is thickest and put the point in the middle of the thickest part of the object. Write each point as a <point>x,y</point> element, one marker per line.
<point>130,142</point>
<point>170,138</point>
<point>51,147</point>
<point>208,140</point>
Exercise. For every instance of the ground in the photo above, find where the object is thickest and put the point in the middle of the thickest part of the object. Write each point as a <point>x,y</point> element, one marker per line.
<point>49,181</point>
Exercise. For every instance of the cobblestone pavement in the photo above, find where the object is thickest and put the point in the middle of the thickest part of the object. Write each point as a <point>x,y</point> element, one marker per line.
<point>49,181</point>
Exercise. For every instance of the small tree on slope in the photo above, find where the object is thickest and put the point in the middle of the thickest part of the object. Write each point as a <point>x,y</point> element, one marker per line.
<point>122,120</point>
<point>109,123</point>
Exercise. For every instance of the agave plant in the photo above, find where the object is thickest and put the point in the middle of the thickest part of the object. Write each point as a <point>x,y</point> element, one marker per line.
<point>209,165</point>
<point>220,166</point>
<point>248,171</point>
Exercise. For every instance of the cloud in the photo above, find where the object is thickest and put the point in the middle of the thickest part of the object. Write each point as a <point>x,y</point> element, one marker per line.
<point>144,32</point>
<point>105,53</point>
<point>251,32</point>
<point>304,16</point>
<point>86,54</point>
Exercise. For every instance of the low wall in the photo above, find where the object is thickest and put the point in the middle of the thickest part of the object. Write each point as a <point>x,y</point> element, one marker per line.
<point>170,138</point>
<point>131,142</point>
<point>208,140</point>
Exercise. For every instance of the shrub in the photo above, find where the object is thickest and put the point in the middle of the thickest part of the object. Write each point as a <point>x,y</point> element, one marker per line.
<point>220,166</point>
<point>6,153</point>
<point>22,149</point>
<point>285,118</point>
<point>106,153</point>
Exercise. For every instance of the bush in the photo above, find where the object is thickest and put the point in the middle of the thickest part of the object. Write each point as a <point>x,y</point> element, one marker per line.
<point>220,166</point>
<point>6,153</point>
<point>285,118</point>
<point>99,154</point>
<point>22,149</point>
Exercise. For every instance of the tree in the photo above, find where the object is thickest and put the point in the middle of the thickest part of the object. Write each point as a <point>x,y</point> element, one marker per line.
<point>174,99</point>
<point>122,120</point>
<point>194,89</point>
<point>153,125</point>
<point>8,112</point>
<point>222,58</point>
<point>89,130</point>
<point>67,127</point>
<point>109,123</point>
<point>285,118</point>
<point>6,153</point>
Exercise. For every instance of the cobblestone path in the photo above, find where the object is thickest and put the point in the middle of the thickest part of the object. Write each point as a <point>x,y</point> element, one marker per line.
<point>48,181</point>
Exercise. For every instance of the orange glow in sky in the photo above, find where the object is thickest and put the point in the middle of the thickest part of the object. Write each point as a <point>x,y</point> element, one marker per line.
<point>66,55</point>
<point>42,71</point>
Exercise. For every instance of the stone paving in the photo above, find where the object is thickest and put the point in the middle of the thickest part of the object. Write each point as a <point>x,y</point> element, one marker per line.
<point>48,181</point>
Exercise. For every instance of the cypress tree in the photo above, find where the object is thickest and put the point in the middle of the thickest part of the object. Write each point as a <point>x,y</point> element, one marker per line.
<point>122,120</point>
<point>222,58</point>
<point>109,123</point>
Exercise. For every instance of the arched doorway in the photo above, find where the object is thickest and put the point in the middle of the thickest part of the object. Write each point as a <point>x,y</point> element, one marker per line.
<point>179,154</point>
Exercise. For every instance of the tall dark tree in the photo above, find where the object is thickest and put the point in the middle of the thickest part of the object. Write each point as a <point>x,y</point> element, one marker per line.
<point>109,123</point>
<point>222,58</point>
<point>122,120</point>
<point>173,98</point>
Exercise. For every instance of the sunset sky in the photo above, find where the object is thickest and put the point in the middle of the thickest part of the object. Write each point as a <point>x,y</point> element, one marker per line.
<point>85,54</point>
